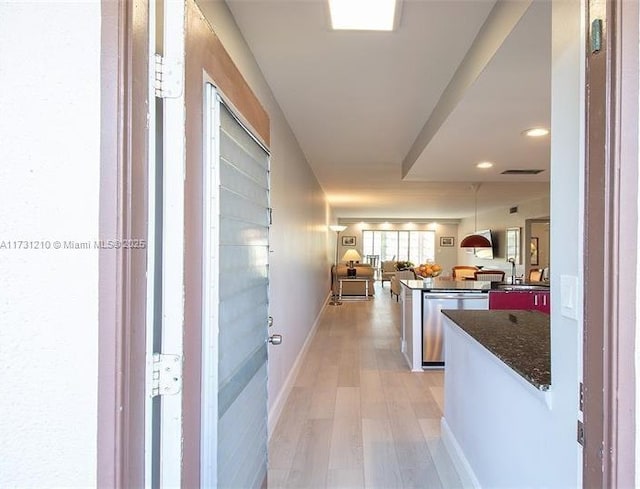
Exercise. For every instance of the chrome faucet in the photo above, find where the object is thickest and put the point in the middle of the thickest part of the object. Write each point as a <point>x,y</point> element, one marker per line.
<point>513,270</point>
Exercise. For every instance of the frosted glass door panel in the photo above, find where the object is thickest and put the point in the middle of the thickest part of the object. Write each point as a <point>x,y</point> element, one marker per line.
<point>243,306</point>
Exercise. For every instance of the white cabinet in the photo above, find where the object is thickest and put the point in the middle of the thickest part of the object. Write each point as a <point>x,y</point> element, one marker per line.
<point>411,341</point>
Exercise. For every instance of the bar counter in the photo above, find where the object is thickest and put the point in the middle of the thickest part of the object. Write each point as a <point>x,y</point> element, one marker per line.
<point>498,406</point>
<point>520,339</point>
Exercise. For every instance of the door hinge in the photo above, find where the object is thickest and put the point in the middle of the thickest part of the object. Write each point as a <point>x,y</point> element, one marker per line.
<point>167,374</point>
<point>168,80</point>
<point>580,433</point>
<point>581,398</point>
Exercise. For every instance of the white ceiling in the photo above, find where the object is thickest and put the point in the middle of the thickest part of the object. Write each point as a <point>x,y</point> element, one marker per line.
<point>432,94</point>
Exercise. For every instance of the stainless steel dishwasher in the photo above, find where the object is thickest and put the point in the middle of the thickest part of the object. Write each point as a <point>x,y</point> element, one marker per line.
<point>432,319</point>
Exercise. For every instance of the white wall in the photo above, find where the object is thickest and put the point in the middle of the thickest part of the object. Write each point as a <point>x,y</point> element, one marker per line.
<point>49,181</point>
<point>299,265</point>
<point>567,204</point>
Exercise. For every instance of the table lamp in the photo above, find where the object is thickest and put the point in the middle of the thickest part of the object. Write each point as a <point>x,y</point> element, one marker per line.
<point>350,256</point>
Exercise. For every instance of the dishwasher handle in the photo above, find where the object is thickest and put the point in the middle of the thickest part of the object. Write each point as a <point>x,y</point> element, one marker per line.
<point>456,296</point>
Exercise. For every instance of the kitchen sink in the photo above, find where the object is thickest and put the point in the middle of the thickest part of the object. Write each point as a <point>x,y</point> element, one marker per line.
<point>520,287</point>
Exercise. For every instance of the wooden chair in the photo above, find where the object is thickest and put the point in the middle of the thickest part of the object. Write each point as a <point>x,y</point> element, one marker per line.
<point>489,275</point>
<point>535,275</point>
<point>462,272</point>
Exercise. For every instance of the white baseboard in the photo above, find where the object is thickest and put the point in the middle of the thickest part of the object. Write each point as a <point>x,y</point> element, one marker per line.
<point>278,405</point>
<point>467,476</point>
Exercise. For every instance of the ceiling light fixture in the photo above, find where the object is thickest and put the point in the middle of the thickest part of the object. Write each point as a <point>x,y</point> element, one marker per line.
<point>484,164</point>
<point>536,132</point>
<point>363,15</point>
<point>475,240</point>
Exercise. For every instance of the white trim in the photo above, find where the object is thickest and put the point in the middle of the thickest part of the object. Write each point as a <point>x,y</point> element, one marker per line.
<point>278,405</point>
<point>248,128</point>
<point>466,473</point>
<point>210,303</point>
<point>173,248</point>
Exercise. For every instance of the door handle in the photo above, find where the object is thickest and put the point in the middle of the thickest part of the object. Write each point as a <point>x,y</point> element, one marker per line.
<point>275,339</point>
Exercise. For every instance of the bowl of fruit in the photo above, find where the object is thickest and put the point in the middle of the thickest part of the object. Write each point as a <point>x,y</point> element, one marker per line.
<point>428,270</point>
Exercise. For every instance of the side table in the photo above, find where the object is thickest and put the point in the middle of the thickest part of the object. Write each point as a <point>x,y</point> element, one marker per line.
<point>354,279</point>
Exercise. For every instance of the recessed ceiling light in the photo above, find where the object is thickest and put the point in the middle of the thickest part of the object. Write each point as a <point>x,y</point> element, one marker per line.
<point>484,164</point>
<point>536,132</point>
<point>363,15</point>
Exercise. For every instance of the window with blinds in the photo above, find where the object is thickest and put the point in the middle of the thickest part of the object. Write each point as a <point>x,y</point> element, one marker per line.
<point>415,246</point>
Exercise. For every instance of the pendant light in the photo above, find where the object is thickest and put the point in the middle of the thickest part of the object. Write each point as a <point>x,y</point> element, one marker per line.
<point>475,240</point>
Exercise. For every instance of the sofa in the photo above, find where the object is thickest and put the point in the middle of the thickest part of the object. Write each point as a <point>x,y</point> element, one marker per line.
<point>363,270</point>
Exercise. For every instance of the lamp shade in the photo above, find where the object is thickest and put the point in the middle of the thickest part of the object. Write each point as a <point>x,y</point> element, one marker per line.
<point>351,255</point>
<point>338,228</point>
<point>475,241</point>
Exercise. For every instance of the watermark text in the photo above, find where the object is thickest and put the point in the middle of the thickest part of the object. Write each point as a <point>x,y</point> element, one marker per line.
<point>63,244</point>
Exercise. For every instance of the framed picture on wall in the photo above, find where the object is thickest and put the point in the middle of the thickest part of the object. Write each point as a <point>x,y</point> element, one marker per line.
<point>513,245</point>
<point>348,241</point>
<point>534,251</point>
<point>447,241</point>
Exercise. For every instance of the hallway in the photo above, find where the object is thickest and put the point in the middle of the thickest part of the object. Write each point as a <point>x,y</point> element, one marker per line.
<point>357,417</point>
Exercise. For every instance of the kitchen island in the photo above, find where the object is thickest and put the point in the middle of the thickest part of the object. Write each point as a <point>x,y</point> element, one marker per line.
<point>498,396</point>
<point>422,333</point>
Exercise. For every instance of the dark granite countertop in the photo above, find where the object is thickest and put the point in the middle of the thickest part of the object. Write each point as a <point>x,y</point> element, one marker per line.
<point>431,285</point>
<point>520,339</point>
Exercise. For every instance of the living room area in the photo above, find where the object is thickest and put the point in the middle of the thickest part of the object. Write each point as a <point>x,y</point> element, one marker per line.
<point>373,250</point>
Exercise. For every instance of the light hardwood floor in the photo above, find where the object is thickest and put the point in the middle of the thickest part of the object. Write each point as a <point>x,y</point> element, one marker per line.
<point>357,417</point>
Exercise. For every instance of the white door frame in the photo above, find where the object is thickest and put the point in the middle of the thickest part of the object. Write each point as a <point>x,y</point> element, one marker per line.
<point>172,320</point>
<point>210,302</point>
